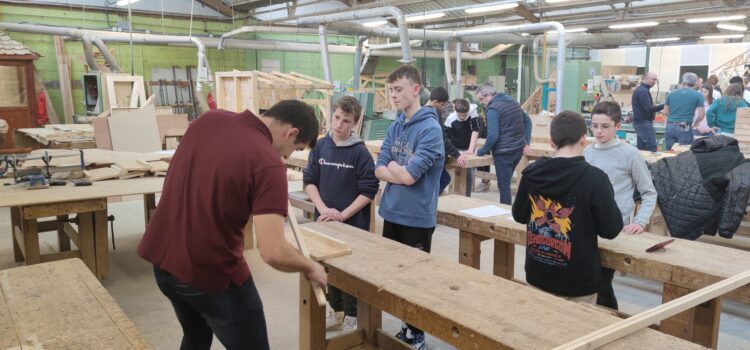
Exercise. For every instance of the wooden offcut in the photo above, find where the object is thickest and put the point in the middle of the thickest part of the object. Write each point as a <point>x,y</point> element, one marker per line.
<point>318,290</point>
<point>135,129</point>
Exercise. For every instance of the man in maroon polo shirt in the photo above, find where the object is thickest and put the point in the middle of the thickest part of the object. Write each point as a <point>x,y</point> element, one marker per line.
<point>228,166</point>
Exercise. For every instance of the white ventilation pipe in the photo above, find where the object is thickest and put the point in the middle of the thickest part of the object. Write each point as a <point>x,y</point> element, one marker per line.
<point>266,29</point>
<point>458,66</point>
<point>324,53</point>
<point>358,61</point>
<point>447,62</point>
<point>520,73</point>
<point>392,11</point>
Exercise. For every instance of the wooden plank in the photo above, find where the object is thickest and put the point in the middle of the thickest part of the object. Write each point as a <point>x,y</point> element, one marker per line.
<point>72,234</point>
<point>15,225</point>
<point>70,254</point>
<point>346,341</point>
<point>369,320</point>
<point>101,133</point>
<point>60,305</point>
<point>462,306</point>
<point>86,237</point>
<point>63,241</point>
<point>100,174</point>
<point>637,322</point>
<point>62,208</point>
<point>299,238</point>
<point>30,238</point>
<point>101,243</point>
<point>63,70</point>
<point>322,247</point>
<point>135,130</point>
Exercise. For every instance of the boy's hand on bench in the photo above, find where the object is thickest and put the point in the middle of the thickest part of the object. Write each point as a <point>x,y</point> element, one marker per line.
<point>632,229</point>
<point>330,214</point>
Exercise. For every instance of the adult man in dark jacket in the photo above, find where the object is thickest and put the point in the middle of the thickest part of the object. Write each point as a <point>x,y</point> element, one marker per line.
<point>644,111</point>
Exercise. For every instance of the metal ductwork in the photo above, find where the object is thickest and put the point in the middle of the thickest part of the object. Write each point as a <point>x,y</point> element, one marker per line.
<point>111,61</point>
<point>520,73</point>
<point>88,53</point>
<point>458,65</point>
<point>358,61</point>
<point>392,11</point>
<point>447,62</point>
<point>324,53</point>
<point>265,29</point>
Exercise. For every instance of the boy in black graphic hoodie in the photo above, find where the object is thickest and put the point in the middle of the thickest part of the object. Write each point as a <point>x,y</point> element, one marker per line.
<point>566,203</point>
<point>340,180</point>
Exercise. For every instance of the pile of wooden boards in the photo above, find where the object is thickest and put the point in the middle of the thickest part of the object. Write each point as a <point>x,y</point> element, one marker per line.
<point>257,91</point>
<point>67,136</point>
<point>104,164</point>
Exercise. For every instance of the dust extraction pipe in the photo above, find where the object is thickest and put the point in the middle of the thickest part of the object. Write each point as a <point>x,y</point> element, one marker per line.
<point>111,61</point>
<point>393,11</point>
<point>266,29</point>
<point>447,62</point>
<point>520,73</point>
<point>458,64</point>
<point>324,52</point>
<point>88,53</point>
<point>358,61</point>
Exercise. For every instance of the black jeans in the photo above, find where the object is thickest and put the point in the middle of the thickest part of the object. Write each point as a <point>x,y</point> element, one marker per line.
<point>235,315</point>
<point>606,296</point>
<point>417,237</point>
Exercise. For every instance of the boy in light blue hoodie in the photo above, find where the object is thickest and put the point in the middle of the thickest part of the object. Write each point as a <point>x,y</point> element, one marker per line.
<point>410,161</point>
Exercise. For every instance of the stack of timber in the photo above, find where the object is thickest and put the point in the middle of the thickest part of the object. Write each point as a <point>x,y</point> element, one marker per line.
<point>61,136</point>
<point>257,91</point>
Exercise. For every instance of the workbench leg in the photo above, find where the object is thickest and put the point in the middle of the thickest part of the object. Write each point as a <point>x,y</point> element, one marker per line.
<point>101,244</point>
<point>249,237</point>
<point>369,319</point>
<point>469,248</point>
<point>31,241</point>
<point>86,238</point>
<point>63,241</point>
<point>149,205</point>
<point>15,221</point>
<point>504,262</point>
<point>656,224</point>
<point>459,181</point>
<point>699,325</point>
<point>312,318</point>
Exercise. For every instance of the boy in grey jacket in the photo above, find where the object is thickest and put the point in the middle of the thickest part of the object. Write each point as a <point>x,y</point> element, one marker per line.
<point>627,172</point>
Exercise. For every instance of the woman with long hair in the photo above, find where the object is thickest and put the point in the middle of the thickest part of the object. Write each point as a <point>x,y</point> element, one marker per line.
<point>723,112</point>
<point>708,98</point>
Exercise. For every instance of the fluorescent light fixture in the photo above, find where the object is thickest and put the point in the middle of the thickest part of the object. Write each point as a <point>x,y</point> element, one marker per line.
<point>715,19</point>
<point>426,17</point>
<point>126,2</point>
<point>633,25</point>
<point>569,30</point>
<point>723,36</point>
<point>732,26</point>
<point>375,23</point>
<point>491,8</point>
<point>661,40</point>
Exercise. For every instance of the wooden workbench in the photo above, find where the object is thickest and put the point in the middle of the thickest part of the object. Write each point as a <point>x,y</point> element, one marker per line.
<point>460,305</point>
<point>683,267</point>
<point>61,305</point>
<point>89,203</point>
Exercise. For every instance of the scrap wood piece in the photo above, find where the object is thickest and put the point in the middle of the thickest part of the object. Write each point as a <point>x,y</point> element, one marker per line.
<point>102,174</point>
<point>317,290</point>
<point>131,165</point>
<point>642,320</point>
<point>158,166</point>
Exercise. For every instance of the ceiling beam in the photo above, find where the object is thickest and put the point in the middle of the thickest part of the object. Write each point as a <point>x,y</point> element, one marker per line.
<point>522,11</point>
<point>219,6</point>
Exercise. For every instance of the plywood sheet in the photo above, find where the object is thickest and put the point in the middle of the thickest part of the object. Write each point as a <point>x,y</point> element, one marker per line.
<point>135,130</point>
<point>102,174</point>
<point>101,133</point>
<point>61,305</point>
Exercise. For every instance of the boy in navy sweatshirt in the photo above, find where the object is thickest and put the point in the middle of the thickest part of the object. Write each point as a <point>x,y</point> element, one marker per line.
<point>340,180</point>
<point>566,203</point>
<point>410,161</point>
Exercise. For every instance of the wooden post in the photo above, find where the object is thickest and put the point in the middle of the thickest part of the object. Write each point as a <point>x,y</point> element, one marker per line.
<point>699,325</point>
<point>312,323</point>
<point>86,238</point>
<point>369,319</point>
<point>63,241</point>
<point>459,180</point>
<point>469,248</point>
<point>63,69</point>
<point>101,244</point>
<point>15,224</point>
<point>149,205</point>
<point>30,239</point>
<point>504,262</point>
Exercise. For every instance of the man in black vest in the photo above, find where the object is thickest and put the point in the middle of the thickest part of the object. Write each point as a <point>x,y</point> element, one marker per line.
<point>644,111</point>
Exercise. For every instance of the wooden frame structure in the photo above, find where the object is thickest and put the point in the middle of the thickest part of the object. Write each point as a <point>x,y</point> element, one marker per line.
<point>377,84</point>
<point>257,91</point>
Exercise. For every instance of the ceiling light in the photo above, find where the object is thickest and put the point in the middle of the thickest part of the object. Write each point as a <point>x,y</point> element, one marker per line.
<point>555,1</point>
<point>732,26</point>
<point>723,36</point>
<point>375,23</point>
<point>491,8</point>
<point>661,40</point>
<point>126,2</point>
<point>715,19</point>
<point>569,30</point>
<point>426,17</point>
<point>633,25</point>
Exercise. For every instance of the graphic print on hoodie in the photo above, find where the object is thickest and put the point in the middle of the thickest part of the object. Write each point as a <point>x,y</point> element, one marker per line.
<point>566,204</point>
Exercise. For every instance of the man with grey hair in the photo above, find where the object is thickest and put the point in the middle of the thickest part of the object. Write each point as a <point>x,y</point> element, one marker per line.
<point>508,135</point>
<point>680,110</point>
<point>644,111</point>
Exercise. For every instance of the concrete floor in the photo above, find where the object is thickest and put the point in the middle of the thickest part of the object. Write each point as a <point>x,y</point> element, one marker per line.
<point>131,284</point>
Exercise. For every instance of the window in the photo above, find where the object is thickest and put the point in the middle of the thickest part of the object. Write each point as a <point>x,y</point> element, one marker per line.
<point>12,86</point>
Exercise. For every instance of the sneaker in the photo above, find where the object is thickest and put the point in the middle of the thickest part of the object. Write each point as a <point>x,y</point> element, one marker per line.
<point>333,319</point>
<point>350,324</point>
<point>483,187</point>
<point>418,341</point>
<point>403,335</point>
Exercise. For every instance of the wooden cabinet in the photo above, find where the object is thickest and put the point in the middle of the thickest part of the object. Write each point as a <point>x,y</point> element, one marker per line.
<point>17,96</point>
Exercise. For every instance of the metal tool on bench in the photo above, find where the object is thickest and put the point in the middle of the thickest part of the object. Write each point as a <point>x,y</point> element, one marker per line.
<point>39,177</point>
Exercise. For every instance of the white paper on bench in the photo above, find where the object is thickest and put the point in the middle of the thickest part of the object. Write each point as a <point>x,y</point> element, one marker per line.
<point>486,211</point>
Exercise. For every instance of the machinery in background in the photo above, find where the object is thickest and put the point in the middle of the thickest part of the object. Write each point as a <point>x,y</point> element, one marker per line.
<point>582,86</point>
